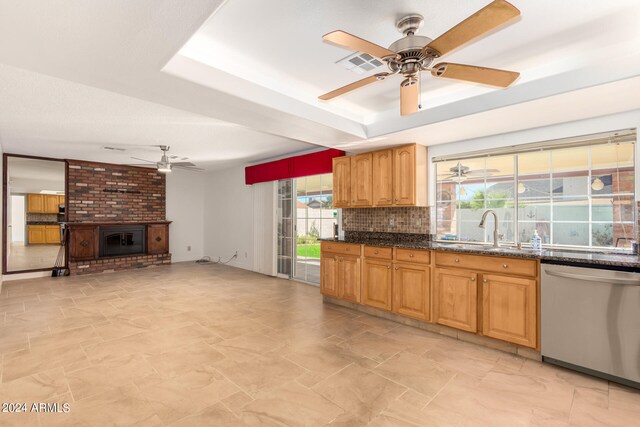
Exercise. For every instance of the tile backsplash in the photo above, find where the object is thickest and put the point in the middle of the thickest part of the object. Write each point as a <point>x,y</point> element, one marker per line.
<point>412,220</point>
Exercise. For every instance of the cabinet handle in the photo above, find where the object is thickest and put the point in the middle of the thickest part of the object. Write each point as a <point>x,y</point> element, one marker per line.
<point>410,255</point>
<point>484,280</point>
<point>473,279</point>
<point>505,266</point>
<point>457,260</point>
<point>388,267</point>
<point>396,268</point>
<point>375,252</point>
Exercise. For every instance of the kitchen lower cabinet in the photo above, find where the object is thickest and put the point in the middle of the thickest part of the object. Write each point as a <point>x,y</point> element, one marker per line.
<point>376,283</point>
<point>411,290</point>
<point>329,275</point>
<point>349,278</point>
<point>52,234</point>
<point>456,299</point>
<point>509,309</point>
<point>36,234</point>
<point>157,239</point>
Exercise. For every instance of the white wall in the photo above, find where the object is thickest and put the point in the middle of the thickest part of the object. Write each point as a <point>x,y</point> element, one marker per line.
<point>185,207</point>
<point>627,120</point>
<point>17,219</point>
<point>228,225</point>
<point>265,200</point>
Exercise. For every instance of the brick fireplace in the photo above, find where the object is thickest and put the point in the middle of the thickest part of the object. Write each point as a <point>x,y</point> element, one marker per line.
<point>116,217</point>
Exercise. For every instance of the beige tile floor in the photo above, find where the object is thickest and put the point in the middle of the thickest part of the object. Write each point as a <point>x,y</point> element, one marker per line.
<point>211,345</point>
<point>31,257</point>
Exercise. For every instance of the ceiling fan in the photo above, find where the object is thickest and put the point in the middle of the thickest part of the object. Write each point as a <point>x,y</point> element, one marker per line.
<point>412,54</point>
<point>166,163</point>
<point>460,173</point>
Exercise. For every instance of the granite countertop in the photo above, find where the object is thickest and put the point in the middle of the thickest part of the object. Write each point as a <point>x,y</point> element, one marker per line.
<point>555,256</point>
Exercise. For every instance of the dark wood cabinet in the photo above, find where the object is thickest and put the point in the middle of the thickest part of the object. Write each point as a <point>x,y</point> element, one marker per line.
<point>83,242</point>
<point>157,238</point>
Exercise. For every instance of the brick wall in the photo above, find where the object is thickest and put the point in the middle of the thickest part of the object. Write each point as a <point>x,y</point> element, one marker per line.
<point>102,192</point>
<point>115,193</point>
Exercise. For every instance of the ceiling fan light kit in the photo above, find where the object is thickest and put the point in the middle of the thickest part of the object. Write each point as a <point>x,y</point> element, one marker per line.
<point>412,54</point>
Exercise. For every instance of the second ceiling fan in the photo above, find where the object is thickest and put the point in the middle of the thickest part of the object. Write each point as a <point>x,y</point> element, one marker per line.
<point>412,54</point>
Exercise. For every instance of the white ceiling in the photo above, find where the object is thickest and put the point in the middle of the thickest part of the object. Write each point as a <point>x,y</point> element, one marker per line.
<point>227,82</point>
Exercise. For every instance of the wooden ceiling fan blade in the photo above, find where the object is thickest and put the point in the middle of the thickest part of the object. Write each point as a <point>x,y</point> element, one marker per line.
<point>409,96</point>
<point>353,86</point>
<point>472,73</point>
<point>187,168</point>
<point>355,43</point>
<point>143,160</point>
<point>490,17</point>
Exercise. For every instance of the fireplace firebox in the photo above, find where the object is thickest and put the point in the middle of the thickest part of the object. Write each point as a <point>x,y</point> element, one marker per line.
<point>119,240</point>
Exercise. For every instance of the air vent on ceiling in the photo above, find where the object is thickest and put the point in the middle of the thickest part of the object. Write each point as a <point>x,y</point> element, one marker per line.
<point>360,63</point>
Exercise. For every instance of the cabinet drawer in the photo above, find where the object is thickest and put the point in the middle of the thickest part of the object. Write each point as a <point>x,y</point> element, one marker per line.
<point>413,255</point>
<point>378,252</point>
<point>340,248</point>
<point>504,265</point>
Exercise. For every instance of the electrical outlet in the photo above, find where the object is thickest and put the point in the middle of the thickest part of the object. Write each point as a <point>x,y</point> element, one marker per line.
<point>391,222</point>
<point>188,248</point>
<point>419,222</point>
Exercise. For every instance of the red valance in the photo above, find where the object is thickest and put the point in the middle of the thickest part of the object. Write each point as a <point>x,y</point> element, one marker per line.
<point>292,167</point>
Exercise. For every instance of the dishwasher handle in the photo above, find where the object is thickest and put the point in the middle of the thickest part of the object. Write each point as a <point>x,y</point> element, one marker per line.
<point>610,280</point>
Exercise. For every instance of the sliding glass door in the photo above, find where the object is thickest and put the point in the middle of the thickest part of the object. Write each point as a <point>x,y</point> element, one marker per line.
<point>302,221</point>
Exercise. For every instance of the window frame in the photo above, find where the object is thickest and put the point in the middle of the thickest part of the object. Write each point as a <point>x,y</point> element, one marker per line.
<point>611,138</point>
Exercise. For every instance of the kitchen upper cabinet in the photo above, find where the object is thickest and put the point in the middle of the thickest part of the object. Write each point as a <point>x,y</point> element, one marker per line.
<point>382,178</point>
<point>157,238</point>
<point>60,199</point>
<point>410,176</point>
<point>51,203</point>
<point>329,275</point>
<point>456,299</point>
<point>349,278</point>
<point>411,290</point>
<point>342,182</point>
<point>361,180</point>
<point>376,286</point>
<point>509,309</point>
<point>35,203</point>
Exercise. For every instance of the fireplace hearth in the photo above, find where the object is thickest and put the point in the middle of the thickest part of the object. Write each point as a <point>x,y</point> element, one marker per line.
<point>121,240</point>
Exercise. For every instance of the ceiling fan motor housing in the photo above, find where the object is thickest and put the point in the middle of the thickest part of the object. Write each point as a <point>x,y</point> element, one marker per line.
<point>410,48</point>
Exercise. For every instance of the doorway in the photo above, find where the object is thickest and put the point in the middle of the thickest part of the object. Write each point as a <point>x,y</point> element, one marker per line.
<point>306,214</point>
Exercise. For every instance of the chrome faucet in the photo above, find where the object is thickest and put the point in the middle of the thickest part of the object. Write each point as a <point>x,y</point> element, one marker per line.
<point>496,234</point>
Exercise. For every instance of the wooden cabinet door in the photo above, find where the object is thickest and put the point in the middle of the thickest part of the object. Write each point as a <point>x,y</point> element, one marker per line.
<point>376,283</point>
<point>342,182</point>
<point>35,203</point>
<point>329,275</point>
<point>52,234</point>
<point>157,239</point>
<point>509,309</point>
<point>382,178</point>
<point>456,299</point>
<point>411,290</point>
<point>83,243</point>
<point>36,234</point>
<point>61,199</point>
<point>361,180</point>
<point>51,203</point>
<point>349,278</point>
<point>404,176</point>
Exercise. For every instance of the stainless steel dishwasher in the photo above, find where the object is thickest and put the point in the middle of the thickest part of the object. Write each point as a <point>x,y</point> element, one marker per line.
<point>590,321</point>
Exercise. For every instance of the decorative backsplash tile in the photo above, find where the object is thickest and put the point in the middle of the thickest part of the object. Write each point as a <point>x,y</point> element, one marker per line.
<point>412,220</point>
